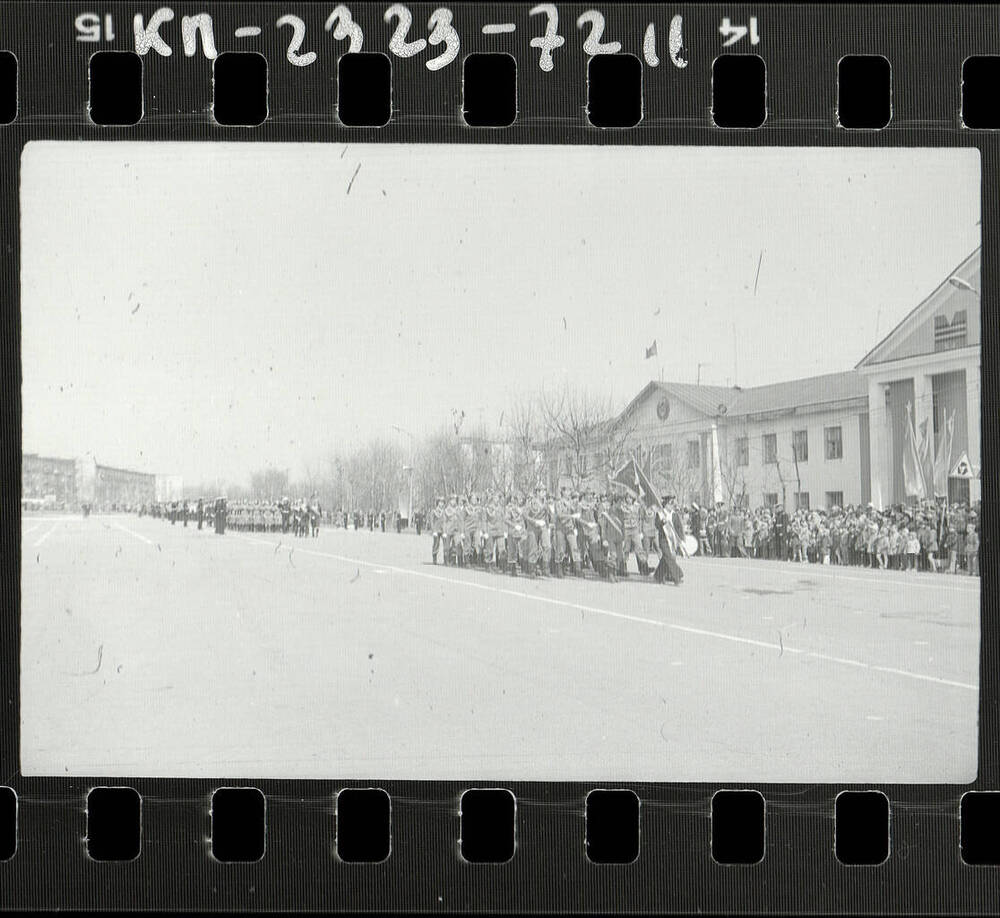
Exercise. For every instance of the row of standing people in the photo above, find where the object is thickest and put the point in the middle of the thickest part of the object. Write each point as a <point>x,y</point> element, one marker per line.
<point>299,517</point>
<point>923,537</point>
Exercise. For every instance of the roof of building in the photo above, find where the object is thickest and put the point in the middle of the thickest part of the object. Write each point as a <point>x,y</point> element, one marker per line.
<point>737,401</point>
<point>812,390</point>
<point>968,270</point>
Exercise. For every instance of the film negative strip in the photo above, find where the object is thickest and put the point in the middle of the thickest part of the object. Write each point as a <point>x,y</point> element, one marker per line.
<point>499,457</point>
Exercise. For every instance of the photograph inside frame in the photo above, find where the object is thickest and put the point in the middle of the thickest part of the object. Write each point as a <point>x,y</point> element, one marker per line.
<point>500,462</point>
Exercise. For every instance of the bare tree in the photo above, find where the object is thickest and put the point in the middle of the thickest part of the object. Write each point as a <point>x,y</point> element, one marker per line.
<point>573,420</point>
<point>525,453</point>
<point>439,461</point>
<point>731,469</point>
<point>675,472</point>
<point>269,483</point>
<point>617,443</point>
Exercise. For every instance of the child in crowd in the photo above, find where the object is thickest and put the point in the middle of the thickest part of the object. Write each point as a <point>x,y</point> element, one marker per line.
<point>972,550</point>
<point>882,547</point>
<point>912,549</point>
<point>951,545</point>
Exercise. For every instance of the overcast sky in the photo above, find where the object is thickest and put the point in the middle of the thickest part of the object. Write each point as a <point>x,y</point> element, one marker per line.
<point>204,309</point>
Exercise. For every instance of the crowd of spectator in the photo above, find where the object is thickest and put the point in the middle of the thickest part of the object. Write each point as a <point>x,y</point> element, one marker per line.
<point>926,536</point>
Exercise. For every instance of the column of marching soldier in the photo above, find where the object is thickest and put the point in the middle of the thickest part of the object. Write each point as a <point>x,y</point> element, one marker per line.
<point>298,517</point>
<point>534,536</point>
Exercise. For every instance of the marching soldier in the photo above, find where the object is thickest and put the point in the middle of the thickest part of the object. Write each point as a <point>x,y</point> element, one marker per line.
<point>566,515</point>
<point>315,511</point>
<point>454,532</point>
<point>473,526</point>
<point>632,512</point>
<point>669,528</point>
<point>437,527</point>
<point>611,539</point>
<point>589,530</point>
<point>516,535</point>
<point>538,546</point>
<point>494,548</point>
<point>650,543</point>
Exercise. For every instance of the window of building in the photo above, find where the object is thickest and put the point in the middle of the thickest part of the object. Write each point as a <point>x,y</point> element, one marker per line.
<point>950,333</point>
<point>742,451</point>
<point>694,454</point>
<point>834,443</point>
<point>834,499</point>
<point>771,499</point>
<point>800,445</point>
<point>770,448</point>
<point>661,457</point>
<point>801,500</point>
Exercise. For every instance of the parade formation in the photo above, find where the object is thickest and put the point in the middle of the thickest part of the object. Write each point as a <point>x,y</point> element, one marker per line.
<point>582,533</point>
<point>577,531</point>
<point>298,517</point>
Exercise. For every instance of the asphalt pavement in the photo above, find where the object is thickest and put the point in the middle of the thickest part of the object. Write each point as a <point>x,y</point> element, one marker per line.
<point>151,649</point>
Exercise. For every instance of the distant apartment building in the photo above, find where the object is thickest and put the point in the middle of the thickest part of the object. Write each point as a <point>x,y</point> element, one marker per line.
<point>57,481</point>
<point>48,478</point>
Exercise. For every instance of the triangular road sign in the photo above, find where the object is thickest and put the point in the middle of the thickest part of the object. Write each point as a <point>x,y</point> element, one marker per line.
<point>963,468</point>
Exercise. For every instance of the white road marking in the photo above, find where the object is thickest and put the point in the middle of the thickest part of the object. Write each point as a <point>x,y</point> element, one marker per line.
<point>46,535</point>
<point>134,535</point>
<point>687,629</point>
<point>52,519</point>
<point>28,532</point>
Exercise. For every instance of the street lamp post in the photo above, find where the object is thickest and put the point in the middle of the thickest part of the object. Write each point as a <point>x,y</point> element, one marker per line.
<point>408,468</point>
<point>409,510</point>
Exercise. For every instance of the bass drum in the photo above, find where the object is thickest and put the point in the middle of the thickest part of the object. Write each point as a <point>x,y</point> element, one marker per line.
<point>690,545</point>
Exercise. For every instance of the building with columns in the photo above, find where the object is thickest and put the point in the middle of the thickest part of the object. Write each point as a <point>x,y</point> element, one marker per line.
<point>821,441</point>
<point>801,443</point>
<point>930,361</point>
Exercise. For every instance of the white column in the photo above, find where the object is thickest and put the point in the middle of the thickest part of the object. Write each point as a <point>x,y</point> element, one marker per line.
<point>923,404</point>
<point>923,410</point>
<point>972,385</point>
<point>878,438</point>
<point>716,466</point>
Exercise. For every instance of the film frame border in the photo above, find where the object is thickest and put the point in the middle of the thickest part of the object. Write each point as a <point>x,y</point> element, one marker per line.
<point>926,46</point>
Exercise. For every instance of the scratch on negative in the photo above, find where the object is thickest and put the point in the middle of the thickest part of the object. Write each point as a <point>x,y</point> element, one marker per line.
<point>100,658</point>
<point>353,177</point>
<point>781,644</point>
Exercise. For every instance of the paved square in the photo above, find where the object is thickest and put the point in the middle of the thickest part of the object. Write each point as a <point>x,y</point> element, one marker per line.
<point>151,649</point>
